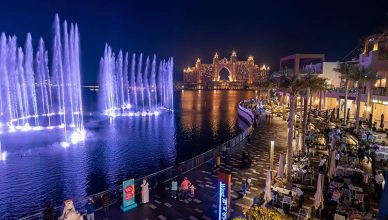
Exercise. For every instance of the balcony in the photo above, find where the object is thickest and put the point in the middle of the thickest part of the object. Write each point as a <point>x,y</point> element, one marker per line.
<point>342,90</point>
<point>380,91</point>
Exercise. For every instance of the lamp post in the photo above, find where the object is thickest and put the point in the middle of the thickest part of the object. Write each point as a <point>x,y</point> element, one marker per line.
<point>294,127</point>
<point>271,154</point>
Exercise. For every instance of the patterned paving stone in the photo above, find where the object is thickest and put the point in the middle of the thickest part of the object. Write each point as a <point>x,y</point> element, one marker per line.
<point>198,210</point>
<point>168,204</point>
<point>206,217</point>
<point>197,200</point>
<point>162,217</point>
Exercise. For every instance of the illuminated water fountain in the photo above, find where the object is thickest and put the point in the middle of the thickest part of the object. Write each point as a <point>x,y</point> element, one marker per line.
<point>34,98</point>
<point>134,90</point>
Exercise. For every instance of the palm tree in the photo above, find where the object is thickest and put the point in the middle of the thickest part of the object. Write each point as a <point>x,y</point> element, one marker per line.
<point>290,83</point>
<point>313,83</point>
<point>362,76</point>
<point>268,86</point>
<point>344,70</point>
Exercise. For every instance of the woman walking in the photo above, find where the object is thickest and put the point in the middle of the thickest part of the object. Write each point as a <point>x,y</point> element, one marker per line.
<point>144,192</point>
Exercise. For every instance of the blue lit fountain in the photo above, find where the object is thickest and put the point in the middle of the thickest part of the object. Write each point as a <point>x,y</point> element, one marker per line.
<point>141,92</point>
<point>32,97</point>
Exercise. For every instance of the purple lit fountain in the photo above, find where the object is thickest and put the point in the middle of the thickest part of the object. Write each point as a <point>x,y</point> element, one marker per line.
<point>143,92</point>
<point>32,98</point>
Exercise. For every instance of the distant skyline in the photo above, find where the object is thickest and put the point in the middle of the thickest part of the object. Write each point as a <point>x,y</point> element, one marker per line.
<point>267,30</point>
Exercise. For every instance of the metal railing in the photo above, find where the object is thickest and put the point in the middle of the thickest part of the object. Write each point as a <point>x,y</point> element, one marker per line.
<point>165,175</point>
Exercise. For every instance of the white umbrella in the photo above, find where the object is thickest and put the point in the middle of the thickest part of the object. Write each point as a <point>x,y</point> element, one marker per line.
<point>281,166</point>
<point>333,142</point>
<point>332,165</point>
<point>267,190</point>
<point>318,197</point>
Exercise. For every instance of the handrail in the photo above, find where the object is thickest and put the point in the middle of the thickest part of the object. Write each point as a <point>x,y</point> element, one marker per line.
<point>168,173</point>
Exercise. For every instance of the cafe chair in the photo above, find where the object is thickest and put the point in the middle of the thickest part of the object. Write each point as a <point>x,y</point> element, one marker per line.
<point>348,172</point>
<point>304,214</point>
<point>339,172</point>
<point>339,217</point>
<point>309,177</point>
<point>348,181</point>
<point>359,197</point>
<point>346,193</point>
<point>286,200</point>
<point>299,176</point>
<point>274,198</point>
<point>352,160</point>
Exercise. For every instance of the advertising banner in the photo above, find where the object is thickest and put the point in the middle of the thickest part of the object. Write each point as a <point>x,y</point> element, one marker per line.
<point>224,178</point>
<point>128,195</point>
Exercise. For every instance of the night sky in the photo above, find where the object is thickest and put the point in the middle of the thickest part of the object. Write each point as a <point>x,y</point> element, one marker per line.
<point>186,30</point>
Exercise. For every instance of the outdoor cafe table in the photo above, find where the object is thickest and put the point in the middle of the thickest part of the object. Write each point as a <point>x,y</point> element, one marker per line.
<point>284,191</point>
<point>348,168</point>
<point>351,187</point>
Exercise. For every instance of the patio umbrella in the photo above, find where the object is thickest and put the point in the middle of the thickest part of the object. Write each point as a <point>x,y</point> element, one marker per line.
<point>267,190</point>
<point>338,113</point>
<point>281,167</point>
<point>318,197</point>
<point>333,142</point>
<point>348,115</point>
<point>382,121</point>
<point>332,165</point>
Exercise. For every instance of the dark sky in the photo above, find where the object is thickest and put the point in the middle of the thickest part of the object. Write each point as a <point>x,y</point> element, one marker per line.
<point>186,30</point>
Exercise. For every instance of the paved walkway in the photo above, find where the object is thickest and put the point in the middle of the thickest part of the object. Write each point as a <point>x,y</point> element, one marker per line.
<point>204,205</point>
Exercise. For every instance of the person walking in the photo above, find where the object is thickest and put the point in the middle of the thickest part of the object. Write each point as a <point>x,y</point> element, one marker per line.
<point>244,189</point>
<point>179,169</point>
<point>379,179</point>
<point>248,183</point>
<point>49,212</point>
<point>243,160</point>
<point>249,160</point>
<point>185,187</point>
<point>321,165</point>
<point>105,204</point>
<point>89,208</point>
<point>192,190</point>
<point>218,160</point>
<point>337,158</point>
<point>174,189</point>
<point>144,192</point>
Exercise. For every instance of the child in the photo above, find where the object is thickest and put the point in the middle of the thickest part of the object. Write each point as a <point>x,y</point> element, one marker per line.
<point>192,189</point>
<point>244,189</point>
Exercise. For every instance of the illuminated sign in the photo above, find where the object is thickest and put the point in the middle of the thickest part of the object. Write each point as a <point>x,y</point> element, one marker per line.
<point>128,195</point>
<point>223,195</point>
<point>223,203</point>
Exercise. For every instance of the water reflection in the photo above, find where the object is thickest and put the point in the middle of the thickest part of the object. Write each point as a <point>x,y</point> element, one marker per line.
<point>37,170</point>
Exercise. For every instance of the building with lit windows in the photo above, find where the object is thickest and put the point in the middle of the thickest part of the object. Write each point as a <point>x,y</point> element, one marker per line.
<point>225,74</point>
<point>374,96</point>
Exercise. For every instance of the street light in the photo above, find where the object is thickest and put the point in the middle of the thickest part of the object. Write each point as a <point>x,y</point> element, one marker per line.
<point>294,127</point>
<point>271,154</point>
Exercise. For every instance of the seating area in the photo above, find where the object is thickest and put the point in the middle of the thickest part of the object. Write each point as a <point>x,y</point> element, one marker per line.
<point>346,174</point>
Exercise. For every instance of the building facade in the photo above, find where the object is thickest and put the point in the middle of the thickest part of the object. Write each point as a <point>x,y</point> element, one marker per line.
<point>225,74</point>
<point>303,63</point>
<point>374,96</point>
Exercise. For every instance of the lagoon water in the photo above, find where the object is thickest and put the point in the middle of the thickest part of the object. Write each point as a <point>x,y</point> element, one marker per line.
<point>39,170</point>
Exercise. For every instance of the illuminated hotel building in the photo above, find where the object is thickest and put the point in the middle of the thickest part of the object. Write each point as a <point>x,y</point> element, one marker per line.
<point>225,74</point>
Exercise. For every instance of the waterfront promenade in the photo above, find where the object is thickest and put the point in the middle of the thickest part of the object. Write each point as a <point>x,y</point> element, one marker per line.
<point>204,204</point>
